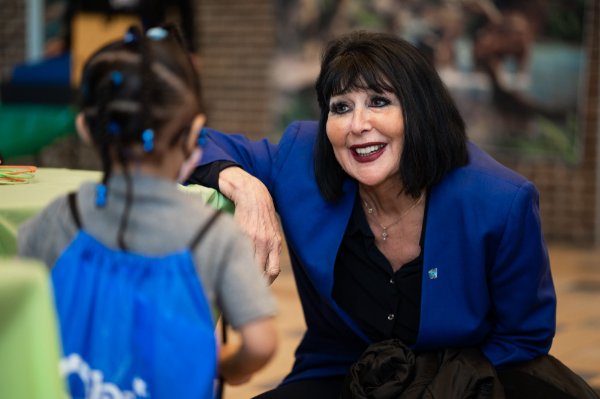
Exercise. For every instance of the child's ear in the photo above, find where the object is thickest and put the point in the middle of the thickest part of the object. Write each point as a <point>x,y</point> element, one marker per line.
<point>192,152</point>
<point>197,124</point>
<point>82,129</point>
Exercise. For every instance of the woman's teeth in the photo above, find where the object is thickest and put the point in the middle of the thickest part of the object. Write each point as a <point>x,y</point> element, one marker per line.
<point>366,151</point>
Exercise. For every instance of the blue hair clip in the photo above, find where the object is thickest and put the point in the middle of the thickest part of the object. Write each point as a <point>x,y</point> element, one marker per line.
<point>130,36</point>
<point>100,195</point>
<point>148,139</point>
<point>116,77</point>
<point>113,128</point>
<point>202,138</point>
<point>85,88</point>
<point>157,33</point>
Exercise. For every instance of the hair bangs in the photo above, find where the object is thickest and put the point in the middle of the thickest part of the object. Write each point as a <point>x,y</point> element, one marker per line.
<point>356,71</point>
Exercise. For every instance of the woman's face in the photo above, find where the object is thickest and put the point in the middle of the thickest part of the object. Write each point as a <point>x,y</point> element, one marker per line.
<point>366,130</point>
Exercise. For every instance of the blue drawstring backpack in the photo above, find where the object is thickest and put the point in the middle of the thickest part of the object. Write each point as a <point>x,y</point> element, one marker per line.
<point>133,326</point>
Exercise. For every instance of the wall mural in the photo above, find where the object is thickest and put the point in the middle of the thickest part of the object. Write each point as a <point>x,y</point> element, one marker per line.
<point>514,67</point>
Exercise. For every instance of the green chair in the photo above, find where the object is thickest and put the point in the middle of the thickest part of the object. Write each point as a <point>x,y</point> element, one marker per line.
<point>28,128</point>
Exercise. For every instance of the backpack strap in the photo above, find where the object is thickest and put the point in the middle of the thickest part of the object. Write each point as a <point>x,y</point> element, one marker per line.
<point>205,228</point>
<point>72,197</point>
<point>221,380</point>
<point>221,383</point>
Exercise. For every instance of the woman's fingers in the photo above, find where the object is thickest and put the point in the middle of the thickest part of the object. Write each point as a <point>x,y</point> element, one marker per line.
<point>261,224</point>
<point>255,213</point>
<point>273,265</point>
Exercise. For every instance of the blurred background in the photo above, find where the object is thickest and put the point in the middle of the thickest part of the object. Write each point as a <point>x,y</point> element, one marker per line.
<point>525,75</point>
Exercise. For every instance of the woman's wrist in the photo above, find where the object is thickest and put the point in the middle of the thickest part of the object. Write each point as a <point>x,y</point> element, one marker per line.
<point>232,182</point>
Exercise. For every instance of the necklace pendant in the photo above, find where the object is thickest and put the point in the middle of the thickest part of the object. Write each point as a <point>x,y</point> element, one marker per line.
<point>384,235</point>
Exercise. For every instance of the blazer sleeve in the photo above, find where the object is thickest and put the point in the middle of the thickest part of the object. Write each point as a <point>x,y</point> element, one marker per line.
<point>255,157</point>
<point>261,158</point>
<point>521,287</point>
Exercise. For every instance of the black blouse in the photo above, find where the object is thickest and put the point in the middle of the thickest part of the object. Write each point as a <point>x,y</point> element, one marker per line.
<point>385,304</point>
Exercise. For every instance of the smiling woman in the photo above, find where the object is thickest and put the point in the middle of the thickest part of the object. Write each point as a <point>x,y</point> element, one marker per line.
<point>401,234</point>
<point>392,74</point>
<point>366,132</point>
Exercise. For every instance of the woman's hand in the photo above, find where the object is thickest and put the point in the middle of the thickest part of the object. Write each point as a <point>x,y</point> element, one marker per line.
<point>255,213</point>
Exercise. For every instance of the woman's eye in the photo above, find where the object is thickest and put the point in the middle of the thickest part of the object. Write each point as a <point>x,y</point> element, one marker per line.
<point>380,102</point>
<point>339,108</point>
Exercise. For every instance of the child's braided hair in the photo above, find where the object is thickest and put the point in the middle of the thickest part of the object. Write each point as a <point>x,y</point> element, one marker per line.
<point>138,97</point>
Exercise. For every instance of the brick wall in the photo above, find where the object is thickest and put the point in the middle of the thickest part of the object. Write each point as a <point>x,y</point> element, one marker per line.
<point>12,34</point>
<point>237,40</point>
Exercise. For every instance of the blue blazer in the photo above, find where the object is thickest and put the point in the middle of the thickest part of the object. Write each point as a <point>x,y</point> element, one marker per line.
<point>486,275</point>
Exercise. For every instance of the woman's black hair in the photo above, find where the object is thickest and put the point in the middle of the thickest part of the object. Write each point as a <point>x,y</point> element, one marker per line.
<point>434,131</point>
<point>133,85</point>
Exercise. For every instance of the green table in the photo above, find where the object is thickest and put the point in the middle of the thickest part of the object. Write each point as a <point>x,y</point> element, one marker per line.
<point>20,202</point>
<point>29,342</point>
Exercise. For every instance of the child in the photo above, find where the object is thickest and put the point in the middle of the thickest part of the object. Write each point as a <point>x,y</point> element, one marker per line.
<point>135,278</point>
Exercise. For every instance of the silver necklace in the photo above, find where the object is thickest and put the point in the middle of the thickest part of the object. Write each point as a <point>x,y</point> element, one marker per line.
<point>384,233</point>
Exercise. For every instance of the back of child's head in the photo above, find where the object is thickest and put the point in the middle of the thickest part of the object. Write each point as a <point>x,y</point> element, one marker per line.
<point>138,98</point>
